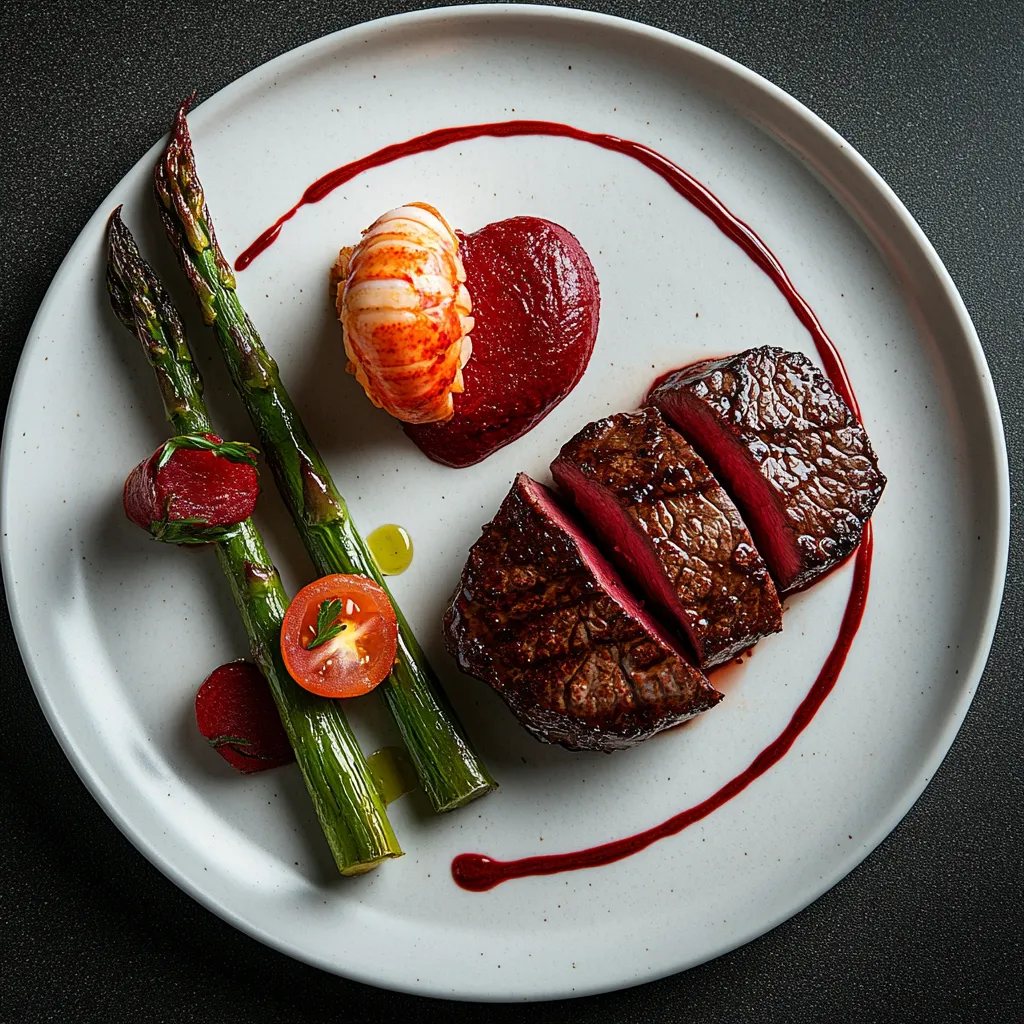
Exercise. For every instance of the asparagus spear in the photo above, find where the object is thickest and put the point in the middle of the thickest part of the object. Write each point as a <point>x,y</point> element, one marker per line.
<point>449,770</point>
<point>350,809</point>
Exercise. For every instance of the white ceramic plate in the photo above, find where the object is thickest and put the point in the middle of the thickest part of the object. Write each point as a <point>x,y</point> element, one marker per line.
<point>141,625</point>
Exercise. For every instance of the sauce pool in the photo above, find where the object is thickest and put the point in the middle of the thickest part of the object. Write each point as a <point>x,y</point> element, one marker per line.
<point>478,872</point>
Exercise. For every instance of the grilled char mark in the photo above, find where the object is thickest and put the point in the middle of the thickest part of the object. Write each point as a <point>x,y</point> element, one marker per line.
<point>774,430</point>
<point>541,617</point>
<point>656,506</point>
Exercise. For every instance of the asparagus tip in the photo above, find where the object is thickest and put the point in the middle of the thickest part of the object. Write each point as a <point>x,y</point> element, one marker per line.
<point>179,143</point>
<point>179,129</point>
<point>115,227</point>
<point>121,252</point>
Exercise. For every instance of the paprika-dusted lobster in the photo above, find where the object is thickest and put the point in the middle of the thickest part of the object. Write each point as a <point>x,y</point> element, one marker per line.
<point>405,313</point>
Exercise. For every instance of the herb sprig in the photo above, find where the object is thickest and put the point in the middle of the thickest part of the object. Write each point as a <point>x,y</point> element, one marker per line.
<point>326,627</point>
<point>233,451</point>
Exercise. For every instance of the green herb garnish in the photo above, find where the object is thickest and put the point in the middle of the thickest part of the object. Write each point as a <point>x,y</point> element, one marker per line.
<point>233,451</point>
<point>326,627</point>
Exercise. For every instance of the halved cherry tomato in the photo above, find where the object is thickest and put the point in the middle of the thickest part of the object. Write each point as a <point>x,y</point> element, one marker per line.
<point>339,636</point>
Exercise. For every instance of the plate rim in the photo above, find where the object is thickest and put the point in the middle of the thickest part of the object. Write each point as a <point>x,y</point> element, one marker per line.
<point>856,165</point>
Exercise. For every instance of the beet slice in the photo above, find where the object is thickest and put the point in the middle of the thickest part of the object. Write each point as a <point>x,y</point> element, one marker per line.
<point>545,620</point>
<point>779,436</point>
<point>669,525</point>
<point>535,305</point>
<point>188,495</point>
<point>236,713</point>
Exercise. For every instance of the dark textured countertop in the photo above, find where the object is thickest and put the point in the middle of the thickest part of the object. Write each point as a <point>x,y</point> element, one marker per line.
<point>930,926</point>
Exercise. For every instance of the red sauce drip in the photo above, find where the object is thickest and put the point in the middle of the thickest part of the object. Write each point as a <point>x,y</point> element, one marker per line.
<point>479,872</point>
<point>536,305</point>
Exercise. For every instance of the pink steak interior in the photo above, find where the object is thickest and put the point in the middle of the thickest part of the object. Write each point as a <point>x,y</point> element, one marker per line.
<point>632,549</point>
<point>603,571</point>
<point>736,470</point>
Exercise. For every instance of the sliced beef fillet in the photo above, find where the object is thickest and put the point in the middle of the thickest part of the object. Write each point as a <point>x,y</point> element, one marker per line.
<point>774,430</point>
<point>541,617</point>
<point>669,525</point>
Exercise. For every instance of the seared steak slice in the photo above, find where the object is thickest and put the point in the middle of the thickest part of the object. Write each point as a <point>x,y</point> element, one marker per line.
<point>774,430</point>
<point>541,617</point>
<point>654,504</point>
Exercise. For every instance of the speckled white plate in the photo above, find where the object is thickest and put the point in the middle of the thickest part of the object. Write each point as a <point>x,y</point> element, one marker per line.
<point>140,625</point>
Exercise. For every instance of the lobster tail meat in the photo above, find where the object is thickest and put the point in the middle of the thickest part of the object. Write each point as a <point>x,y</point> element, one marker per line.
<point>405,313</point>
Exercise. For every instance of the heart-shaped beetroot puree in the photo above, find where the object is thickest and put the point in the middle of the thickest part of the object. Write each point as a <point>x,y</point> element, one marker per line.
<point>536,305</point>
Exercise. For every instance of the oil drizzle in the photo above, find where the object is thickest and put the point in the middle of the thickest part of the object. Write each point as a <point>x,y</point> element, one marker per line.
<point>391,547</point>
<point>392,773</point>
<point>478,872</point>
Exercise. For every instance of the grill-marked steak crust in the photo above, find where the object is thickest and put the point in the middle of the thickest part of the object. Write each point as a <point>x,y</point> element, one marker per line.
<point>774,430</point>
<point>541,617</point>
<point>669,525</point>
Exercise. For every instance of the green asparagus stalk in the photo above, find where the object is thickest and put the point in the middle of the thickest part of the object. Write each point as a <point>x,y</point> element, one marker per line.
<point>450,771</point>
<point>350,809</point>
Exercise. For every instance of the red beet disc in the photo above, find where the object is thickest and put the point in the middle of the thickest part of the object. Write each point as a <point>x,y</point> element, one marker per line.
<point>535,305</point>
<point>237,714</point>
<point>195,487</point>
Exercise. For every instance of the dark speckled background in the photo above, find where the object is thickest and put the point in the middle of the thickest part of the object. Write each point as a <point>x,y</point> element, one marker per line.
<point>930,926</point>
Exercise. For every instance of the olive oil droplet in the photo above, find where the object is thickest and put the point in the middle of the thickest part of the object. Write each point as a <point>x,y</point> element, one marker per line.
<point>391,547</point>
<point>392,772</point>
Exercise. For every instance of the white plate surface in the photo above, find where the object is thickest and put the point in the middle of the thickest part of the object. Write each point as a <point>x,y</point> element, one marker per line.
<point>141,625</point>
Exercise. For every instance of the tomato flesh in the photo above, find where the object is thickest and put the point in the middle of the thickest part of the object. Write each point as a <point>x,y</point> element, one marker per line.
<point>358,621</point>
